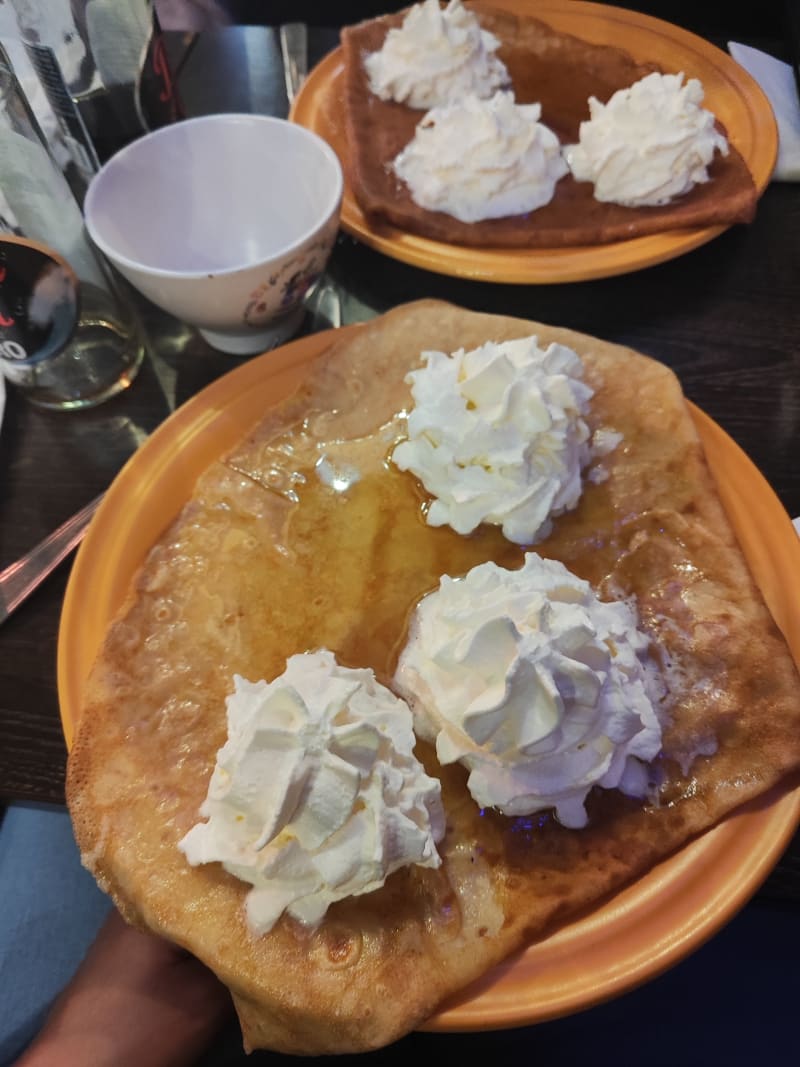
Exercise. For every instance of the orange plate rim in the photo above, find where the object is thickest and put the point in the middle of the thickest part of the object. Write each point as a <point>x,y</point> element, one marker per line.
<point>751,126</point>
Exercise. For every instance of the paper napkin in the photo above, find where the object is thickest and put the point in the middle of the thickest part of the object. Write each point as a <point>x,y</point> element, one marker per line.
<point>778,82</point>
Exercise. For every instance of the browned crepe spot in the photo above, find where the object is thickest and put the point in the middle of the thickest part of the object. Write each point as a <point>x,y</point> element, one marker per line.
<point>245,578</point>
<point>560,72</point>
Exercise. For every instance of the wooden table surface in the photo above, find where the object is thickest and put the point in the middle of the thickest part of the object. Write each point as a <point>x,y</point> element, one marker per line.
<point>725,317</point>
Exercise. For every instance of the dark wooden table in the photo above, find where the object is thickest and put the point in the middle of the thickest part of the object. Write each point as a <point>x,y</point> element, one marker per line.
<point>725,317</point>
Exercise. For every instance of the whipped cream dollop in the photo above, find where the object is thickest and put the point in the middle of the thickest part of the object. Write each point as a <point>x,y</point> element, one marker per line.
<point>482,159</point>
<point>498,435</point>
<point>436,56</point>
<point>538,687</point>
<point>316,794</point>
<point>649,144</point>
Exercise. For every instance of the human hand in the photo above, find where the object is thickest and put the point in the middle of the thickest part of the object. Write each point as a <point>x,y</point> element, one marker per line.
<point>134,1000</point>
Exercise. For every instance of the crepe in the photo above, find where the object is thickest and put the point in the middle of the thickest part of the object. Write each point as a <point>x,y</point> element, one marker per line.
<point>561,72</point>
<point>267,560</point>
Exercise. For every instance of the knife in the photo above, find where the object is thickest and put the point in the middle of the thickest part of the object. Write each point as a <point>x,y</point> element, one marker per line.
<point>20,579</point>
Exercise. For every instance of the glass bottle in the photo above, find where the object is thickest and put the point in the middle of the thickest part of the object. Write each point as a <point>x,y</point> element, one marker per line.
<point>104,350</point>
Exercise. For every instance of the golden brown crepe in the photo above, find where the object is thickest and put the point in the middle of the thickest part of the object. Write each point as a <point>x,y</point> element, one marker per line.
<point>560,72</point>
<point>266,560</point>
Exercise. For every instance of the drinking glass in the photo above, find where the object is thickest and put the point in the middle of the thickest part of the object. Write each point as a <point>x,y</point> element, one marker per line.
<point>69,360</point>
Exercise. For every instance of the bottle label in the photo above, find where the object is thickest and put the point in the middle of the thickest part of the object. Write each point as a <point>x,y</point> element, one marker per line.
<point>39,306</point>
<point>159,102</point>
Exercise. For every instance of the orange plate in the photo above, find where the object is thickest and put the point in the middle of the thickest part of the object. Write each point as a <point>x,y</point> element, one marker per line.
<point>640,931</point>
<point>734,97</point>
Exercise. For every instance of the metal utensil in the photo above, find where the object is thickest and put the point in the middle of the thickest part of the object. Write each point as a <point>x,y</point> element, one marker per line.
<point>20,579</point>
<point>325,306</point>
<point>294,51</point>
<point>325,303</point>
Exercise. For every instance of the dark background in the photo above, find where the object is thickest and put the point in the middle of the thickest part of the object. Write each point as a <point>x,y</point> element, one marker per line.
<point>765,16</point>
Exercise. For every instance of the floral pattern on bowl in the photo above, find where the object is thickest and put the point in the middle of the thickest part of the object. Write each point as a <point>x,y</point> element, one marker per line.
<point>287,285</point>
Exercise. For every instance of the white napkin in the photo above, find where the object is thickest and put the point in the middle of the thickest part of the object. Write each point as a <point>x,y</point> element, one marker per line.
<point>778,82</point>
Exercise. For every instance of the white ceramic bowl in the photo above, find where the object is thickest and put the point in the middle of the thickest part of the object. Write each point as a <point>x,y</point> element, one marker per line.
<point>224,221</point>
